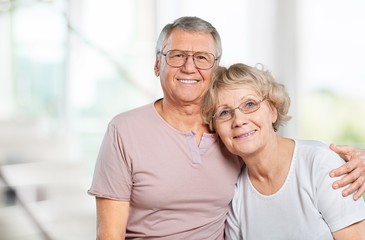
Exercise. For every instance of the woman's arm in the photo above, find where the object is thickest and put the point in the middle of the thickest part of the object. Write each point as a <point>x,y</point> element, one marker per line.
<point>354,170</point>
<point>354,231</point>
<point>112,217</point>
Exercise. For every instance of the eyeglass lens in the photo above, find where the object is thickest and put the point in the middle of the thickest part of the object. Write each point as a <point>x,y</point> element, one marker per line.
<point>202,60</point>
<point>246,107</point>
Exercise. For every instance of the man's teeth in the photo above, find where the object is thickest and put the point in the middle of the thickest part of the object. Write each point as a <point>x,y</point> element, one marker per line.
<point>188,81</point>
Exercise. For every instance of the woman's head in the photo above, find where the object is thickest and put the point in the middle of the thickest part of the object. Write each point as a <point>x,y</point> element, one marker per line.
<point>239,76</point>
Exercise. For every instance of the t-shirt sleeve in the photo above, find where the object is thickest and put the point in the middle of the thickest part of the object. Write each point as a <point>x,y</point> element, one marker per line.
<point>338,211</point>
<point>112,175</point>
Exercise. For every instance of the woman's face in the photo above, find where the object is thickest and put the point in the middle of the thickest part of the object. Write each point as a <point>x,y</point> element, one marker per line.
<point>244,133</point>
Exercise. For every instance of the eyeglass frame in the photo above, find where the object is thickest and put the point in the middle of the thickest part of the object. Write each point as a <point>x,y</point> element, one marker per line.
<point>187,56</point>
<point>233,110</point>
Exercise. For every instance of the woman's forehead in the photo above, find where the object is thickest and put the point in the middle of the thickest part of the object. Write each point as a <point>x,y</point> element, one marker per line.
<point>226,95</point>
<point>240,89</point>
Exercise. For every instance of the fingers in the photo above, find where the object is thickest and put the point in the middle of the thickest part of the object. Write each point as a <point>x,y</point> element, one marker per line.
<point>344,169</point>
<point>350,178</point>
<point>346,152</point>
<point>356,187</point>
<point>360,193</point>
<point>353,172</point>
<point>342,148</point>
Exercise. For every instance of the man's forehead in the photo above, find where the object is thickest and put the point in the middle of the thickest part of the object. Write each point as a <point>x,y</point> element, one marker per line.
<point>190,41</point>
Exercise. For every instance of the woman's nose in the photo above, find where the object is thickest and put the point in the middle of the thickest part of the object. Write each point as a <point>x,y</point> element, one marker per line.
<point>239,118</point>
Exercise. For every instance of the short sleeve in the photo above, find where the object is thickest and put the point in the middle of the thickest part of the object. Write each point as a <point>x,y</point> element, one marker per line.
<point>112,175</point>
<point>337,211</point>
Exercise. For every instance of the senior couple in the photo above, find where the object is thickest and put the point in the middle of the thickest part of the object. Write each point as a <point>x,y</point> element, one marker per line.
<point>163,172</point>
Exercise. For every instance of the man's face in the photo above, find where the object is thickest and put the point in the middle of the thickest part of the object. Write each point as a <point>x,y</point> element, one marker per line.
<point>186,84</point>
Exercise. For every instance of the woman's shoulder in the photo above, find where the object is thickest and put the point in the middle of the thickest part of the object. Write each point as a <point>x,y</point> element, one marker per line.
<point>316,152</point>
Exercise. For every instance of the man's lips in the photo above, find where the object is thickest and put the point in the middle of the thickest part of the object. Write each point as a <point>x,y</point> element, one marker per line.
<point>246,134</point>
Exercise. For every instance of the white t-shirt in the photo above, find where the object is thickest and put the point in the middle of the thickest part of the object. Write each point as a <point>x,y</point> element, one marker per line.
<point>305,207</point>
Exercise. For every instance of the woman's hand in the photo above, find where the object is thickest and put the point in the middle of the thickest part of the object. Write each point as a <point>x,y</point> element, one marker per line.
<point>354,170</point>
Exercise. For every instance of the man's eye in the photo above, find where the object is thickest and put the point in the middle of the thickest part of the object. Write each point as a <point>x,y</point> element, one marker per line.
<point>201,57</point>
<point>178,55</point>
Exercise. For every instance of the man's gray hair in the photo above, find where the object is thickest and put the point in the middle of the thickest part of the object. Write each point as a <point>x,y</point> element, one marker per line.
<point>190,24</point>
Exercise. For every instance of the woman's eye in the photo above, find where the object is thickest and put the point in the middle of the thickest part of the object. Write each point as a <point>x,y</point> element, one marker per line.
<point>250,104</point>
<point>224,113</point>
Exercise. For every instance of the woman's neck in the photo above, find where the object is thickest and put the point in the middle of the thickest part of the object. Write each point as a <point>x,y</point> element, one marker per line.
<point>269,168</point>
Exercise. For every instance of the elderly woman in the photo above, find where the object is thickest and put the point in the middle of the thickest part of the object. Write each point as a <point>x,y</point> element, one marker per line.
<point>285,190</point>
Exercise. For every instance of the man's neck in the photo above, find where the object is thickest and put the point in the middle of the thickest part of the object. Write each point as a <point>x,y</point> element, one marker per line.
<point>183,118</point>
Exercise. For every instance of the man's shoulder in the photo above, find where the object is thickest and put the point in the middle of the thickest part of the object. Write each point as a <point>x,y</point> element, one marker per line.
<point>138,112</point>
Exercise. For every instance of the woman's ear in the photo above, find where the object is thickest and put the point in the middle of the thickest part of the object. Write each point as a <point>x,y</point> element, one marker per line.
<point>274,113</point>
<point>157,66</point>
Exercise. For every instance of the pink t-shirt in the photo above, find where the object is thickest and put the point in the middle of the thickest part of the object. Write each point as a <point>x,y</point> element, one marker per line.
<point>176,189</point>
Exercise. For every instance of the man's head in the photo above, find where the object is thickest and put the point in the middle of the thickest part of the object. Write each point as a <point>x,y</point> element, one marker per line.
<point>187,52</point>
<point>189,24</point>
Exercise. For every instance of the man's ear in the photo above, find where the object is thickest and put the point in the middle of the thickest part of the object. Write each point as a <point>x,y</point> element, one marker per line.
<point>157,66</point>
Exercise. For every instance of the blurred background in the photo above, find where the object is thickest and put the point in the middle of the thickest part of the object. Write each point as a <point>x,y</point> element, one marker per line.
<point>67,67</point>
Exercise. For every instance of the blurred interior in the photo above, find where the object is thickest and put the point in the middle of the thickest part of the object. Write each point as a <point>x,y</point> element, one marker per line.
<point>67,67</point>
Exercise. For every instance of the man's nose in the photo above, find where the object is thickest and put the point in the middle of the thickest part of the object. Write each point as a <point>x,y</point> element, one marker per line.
<point>189,62</point>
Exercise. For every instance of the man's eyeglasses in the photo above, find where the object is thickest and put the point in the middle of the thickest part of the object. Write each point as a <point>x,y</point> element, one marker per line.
<point>202,60</point>
<point>248,106</point>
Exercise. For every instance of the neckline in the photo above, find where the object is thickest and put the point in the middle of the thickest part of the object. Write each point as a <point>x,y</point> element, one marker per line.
<point>282,187</point>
